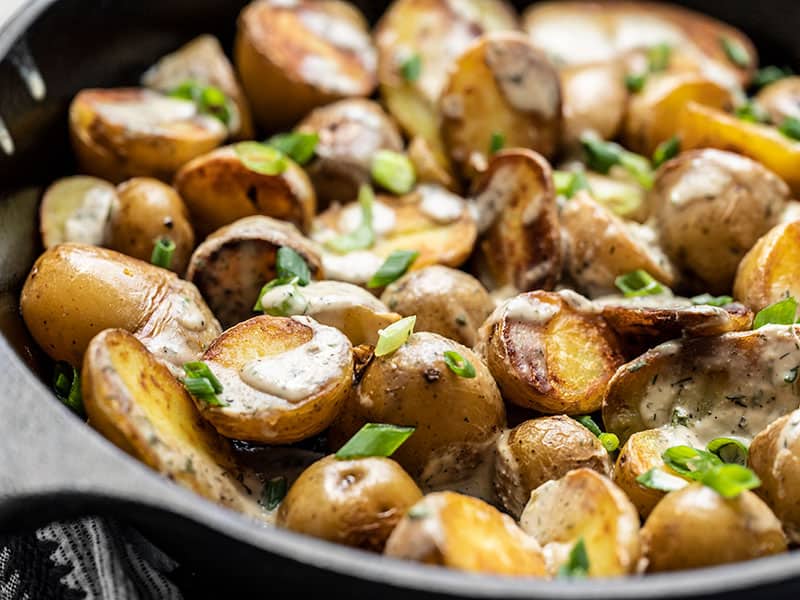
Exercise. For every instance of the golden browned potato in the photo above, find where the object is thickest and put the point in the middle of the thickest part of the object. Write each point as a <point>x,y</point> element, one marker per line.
<point>770,271</point>
<point>501,85</point>
<point>520,246</point>
<point>203,61</point>
<point>461,532</point>
<point>732,385</point>
<point>539,450</point>
<point>355,502</point>
<point>445,301</point>
<point>696,527</point>
<point>550,352</point>
<point>128,132</point>
<point>75,291</point>
<point>431,220</point>
<point>781,99</point>
<point>148,210</point>
<point>350,132</point>
<point>219,188</point>
<point>457,419</point>
<point>283,379</point>
<point>775,457</point>
<point>709,208</point>
<point>76,209</point>
<point>594,100</point>
<point>427,167</point>
<point>584,505</point>
<point>311,52</point>
<point>133,400</point>
<point>601,246</point>
<point>232,265</point>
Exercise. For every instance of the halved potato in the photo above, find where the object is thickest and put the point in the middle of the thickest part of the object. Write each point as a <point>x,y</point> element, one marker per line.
<point>781,99</point>
<point>601,246</point>
<point>203,61</point>
<point>732,385</point>
<point>431,220</point>
<point>133,400</point>
<point>129,132</point>
<point>219,188</point>
<point>146,211</point>
<point>520,246</point>
<point>427,167</point>
<point>550,352</point>
<point>313,52</point>
<point>76,209</point>
<point>584,505</point>
<point>283,379</point>
<point>461,532</point>
<point>770,271</point>
<point>501,85</point>
<point>232,265</point>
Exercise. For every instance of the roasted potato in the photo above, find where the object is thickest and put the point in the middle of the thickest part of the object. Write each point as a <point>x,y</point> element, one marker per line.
<point>781,99</point>
<point>350,133</point>
<point>601,246</point>
<point>586,505</point>
<point>550,352</point>
<point>75,291</point>
<point>129,132</point>
<point>520,245</point>
<point>594,100</point>
<point>283,379</point>
<point>457,418</point>
<point>709,208</point>
<point>313,52</point>
<point>461,532</point>
<point>219,188</point>
<point>696,527</point>
<point>539,450</point>
<point>135,402</point>
<point>232,265</point>
<point>355,502</point>
<point>146,211</point>
<point>501,85</point>
<point>770,271</point>
<point>203,61</point>
<point>445,301</point>
<point>76,209</point>
<point>427,167</point>
<point>732,385</point>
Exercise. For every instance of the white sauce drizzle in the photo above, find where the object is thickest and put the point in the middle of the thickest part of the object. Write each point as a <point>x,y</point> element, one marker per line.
<point>88,223</point>
<point>353,267</point>
<point>439,204</point>
<point>323,297</point>
<point>384,219</point>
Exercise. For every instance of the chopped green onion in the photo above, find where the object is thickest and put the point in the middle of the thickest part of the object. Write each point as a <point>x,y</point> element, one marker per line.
<point>666,150</point>
<point>162,253</point>
<point>261,158</point>
<point>658,57</point>
<point>201,383</point>
<point>198,386</point>
<point>375,439</point>
<point>299,146</point>
<point>394,336</point>
<point>735,52</point>
<point>569,183</point>
<point>497,143</point>
<point>577,565</point>
<point>790,127</point>
<point>210,100</point>
<point>610,441</point>
<point>67,386</point>
<point>459,365</point>
<point>411,68</point>
<point>200,369</point>
<point>709,300</point>
<point>782,312</point>
<point>767,75</point>
<point>679,417</point>
<point>730,480</point>
<point>751,111</point>
<point>657,479</point>
<point>588,422</point>
<point>285,302</point>
<point>290,265</point>
<point>273,493</point>
<point>729,450</point>
<point>602,155</point>
<point>418,511</point>
<point>639,167</point>
<point>393,268</point>
<point>635,81</point>
<point>639,283</point>
<point>393,171</point>
<point>362,236</point>
<point>689,461</point>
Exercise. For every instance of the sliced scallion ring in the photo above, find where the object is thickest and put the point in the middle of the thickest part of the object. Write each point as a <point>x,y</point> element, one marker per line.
<point>375,439</point>
<point>394,336</point>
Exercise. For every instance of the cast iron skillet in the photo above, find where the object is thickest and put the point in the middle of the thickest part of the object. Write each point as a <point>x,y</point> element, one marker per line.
<point>54,466</point>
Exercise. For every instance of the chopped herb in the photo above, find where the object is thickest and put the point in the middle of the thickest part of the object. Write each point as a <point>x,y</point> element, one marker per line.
<point>666,150</point>
<point>162,253</point>
<point>658,57</point>
<point>362,236</point>
<point>67,386</point>
<point>610,441</point>
<point>299,146</point>
<point>418,511</point>
<point>767,75</point>
<point>577,565</point>
<point>751,111</point>
<point>497,143</point>
<point>658,479</point>
<point>689,461</point>
<point>201,383</point>
<point>459,365</point>
<point>791,376</point>
<point>290,265</point>
<point>375,439</point>
<point>273,493</point>
<point>635,81</point>
<point>394,336</point>
<point>735,52</point>
<point>729,450</point>
<point>261,158</point>
<point>393,268</point>
<point>209,100</point>
<point>790,127</point>
<point>569,183</point>
<point>393,171</point>
<point>411,68</point>
<point>588,422</point>
<point>709,300</point>
<point>730,480</point>
<point>286,302</point>
<point>639,283</point>
<point>602,155</point>
<point>782,312</point>
<point>679,417</point>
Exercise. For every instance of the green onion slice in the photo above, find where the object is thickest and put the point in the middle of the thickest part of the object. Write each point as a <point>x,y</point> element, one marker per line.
<point>274,491</point>
<point>362,236</point>
<point>709,300</point>
<point>782,312</point>
<point>394,336</point>
<point>298,145</point>
<point>162,253</point>
<point>602,155</point>
<point>411,68</point>
<point>201,383</point>
<point>393,268</point>
<point>735,52</point>
<point>569,183</point>
<point>639,283</point>
<point>459,365</point>
<point>210,100</point>
<point>689,461</point>
<point>635,81</point>
<point>290,265</point>
<point>577,565</point>
<point>610,441</point>
<point>418,511</point>
<point>658,479</point>
<point>496,143</point>
<point>729,450</point>
<point>790,127</point>
<point>658,57</point>
<point>393,171</point>
<point>770,74</point>
<point>287,300</point>
<point>588,422</point>
<point>751,111</point>
<point>261,158</point>
<point>730,480</point>
<point>375,439</point>
<point>666,150</point>
<point>67,386</point>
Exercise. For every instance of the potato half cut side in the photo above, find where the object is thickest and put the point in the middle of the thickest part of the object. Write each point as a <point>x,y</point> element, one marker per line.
<point>136,403</point>
<point>732,385</point>
<point>781,99</point>
<point>129,132</point>
<point>219,188</point>
<point>584,505</point>
<point>501,85</point>
<point>232,265</point>
<point>313,52</point>
<point>461,532</point>
<point>550,352</point>
<point>520,245</point>
<point>76,209</point>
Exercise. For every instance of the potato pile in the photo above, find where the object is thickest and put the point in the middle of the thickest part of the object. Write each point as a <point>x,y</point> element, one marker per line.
<point>529,302</point>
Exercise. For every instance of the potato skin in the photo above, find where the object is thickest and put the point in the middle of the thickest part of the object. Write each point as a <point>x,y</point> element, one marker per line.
<point>540,450</point>
<point>446,301</point>
<point>594,99</point>
<point>354,502</point>
<point>696,527</point>
<point>147,211</point>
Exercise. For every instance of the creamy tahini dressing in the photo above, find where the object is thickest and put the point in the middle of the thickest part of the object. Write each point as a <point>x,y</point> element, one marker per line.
<point>342,34</point>
<point>439,204</point>
<point>703,179</point>
<point>322,297</point>
<point>384,218</point>
<point>487,205</point>
<point>447,469</point>
<point>148,113</point>
<point>354,267</point>
<point>89,223</point>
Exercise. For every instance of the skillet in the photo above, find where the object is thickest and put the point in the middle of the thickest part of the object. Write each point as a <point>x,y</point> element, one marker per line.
<point>54,466</point>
